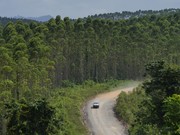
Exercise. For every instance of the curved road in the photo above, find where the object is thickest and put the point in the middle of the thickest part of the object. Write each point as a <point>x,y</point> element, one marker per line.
<point>102,121</point>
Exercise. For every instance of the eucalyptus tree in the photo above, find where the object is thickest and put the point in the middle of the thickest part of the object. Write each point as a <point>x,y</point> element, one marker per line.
<point>39,54</point>
<point>89,41</point>
<point>57,41</point>
<point>172,109</point>
<point>6,83</point>
<point>9,31</point>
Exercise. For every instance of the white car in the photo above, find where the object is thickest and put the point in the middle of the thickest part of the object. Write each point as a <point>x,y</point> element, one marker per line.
<point>95,105</point>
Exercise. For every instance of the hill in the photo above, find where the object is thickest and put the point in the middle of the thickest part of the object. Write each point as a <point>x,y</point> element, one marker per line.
<point>5,20</point>
<point>44,18</point>
<point>139,13</point>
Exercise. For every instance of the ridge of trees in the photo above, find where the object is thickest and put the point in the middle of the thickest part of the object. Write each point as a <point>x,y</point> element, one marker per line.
<point>112,16</point>
<point>136,14</point>
<point>6,20</point>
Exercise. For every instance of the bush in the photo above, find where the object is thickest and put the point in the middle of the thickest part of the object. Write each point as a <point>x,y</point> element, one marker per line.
<point>67,83</point>
<point>145,129</point>
<point>29,118</point>
<point>128,105</point>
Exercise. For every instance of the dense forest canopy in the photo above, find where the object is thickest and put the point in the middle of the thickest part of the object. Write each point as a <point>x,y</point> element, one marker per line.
<point>95,49</point>
<point>37,57</point>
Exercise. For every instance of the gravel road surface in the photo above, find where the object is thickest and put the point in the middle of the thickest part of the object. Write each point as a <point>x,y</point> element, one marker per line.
<point>102,121</point>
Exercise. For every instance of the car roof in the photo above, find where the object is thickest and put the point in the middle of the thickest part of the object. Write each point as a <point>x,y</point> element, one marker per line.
<point>95,102</point>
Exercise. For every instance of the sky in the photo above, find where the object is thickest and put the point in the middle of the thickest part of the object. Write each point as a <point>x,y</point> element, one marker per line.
<point>78,8</point>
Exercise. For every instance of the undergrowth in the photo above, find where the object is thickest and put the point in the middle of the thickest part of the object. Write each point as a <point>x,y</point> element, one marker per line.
<point>68,103</point>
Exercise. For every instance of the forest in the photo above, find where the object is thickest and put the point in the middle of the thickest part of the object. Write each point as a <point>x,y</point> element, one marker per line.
<point>6,20</point>
<point>154,107</point>
<point>37,58</point>
<point>136,14</point>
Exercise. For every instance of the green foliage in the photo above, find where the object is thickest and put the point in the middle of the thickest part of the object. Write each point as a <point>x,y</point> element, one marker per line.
<point>146,129</point>
<point>67,83</point>
<point>139,13</point>
<point>29,118</point>
<point>156,110</point>
<point>36,58</point>
<point>164,77</point>
<point>164,83</point>
<point>68,104</point>
<point>89,83</point>
<point>172,114</point>
<point>128,105</point>
<point>4,20</point>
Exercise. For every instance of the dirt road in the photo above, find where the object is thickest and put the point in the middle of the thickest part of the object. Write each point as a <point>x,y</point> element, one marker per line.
<point>102,121</point>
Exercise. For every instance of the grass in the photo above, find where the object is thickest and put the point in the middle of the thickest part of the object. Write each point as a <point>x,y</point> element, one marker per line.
<point>68,103</point>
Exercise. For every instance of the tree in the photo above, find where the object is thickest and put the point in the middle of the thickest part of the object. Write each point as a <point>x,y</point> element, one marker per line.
<point>165,81</point>
<point>9,31</point>
<point>29,118</point>
<point>172,112</point>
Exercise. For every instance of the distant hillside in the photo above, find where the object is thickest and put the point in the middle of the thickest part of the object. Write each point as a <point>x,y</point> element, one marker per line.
<point>139,13</point>
<point>39,19</point>
<point>112,16</point>
<point>5,20</point>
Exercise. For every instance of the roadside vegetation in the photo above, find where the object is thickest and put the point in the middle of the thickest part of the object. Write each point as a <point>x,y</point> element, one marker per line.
<point>154,107</point>
<point>60,114</point>
<point>68,103</point>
